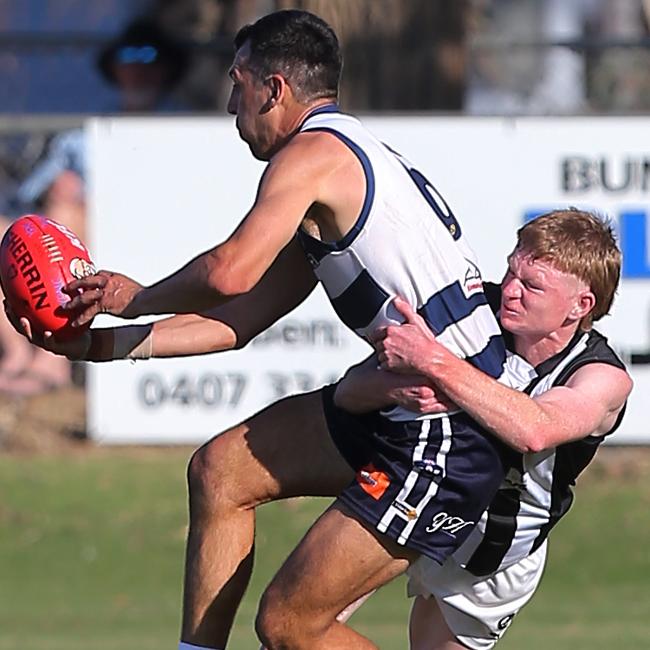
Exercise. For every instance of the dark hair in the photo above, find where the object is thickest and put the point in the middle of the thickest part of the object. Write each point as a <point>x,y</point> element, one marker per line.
<point>300,46</point>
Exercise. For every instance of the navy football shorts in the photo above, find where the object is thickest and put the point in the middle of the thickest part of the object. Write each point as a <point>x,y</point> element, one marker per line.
<point>423,483</point>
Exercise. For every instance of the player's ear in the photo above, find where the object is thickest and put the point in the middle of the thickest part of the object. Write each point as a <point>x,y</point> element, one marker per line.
<point>277,87</point>
<point>584,303</point>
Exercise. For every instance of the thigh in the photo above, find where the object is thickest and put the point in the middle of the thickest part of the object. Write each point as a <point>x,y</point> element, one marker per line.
<point>344,558</point>
<point>428,629</point>
<point>476,611</point>
<point>283,451</point>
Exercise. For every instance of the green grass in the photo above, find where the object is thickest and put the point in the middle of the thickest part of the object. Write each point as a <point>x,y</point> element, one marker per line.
<point>91,552</point>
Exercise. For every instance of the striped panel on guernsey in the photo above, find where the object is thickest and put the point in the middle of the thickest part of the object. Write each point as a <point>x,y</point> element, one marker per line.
<point>406,242</point>
<point>360,301</point>
<point>536,492</point>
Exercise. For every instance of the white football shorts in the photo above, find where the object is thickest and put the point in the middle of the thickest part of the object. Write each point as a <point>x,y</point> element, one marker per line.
<point>478,610</point>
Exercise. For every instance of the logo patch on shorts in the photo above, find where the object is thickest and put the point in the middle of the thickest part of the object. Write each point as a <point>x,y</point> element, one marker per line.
<point>408,511</point>
<point>447,523</point>
<point>373,481</point>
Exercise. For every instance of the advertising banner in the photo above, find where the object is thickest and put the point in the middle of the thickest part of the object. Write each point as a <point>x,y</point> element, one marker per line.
<point>163,190</point>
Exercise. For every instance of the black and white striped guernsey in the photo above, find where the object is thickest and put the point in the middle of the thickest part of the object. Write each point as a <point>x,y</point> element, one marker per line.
<point>537,491</point>
<point>406,242</point>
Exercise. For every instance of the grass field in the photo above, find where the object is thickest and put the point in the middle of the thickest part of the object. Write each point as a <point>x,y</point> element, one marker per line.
<point>91,549</point>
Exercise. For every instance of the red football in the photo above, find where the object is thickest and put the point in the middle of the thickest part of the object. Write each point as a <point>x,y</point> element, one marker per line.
<point>38,257</point>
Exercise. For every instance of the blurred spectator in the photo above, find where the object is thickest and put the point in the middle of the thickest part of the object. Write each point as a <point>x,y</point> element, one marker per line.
<point>144,65</point>
<point>55,186</point>
<point>398,55</point>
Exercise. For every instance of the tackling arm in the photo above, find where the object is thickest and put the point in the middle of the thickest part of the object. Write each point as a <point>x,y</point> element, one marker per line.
<point>366,387</point>
<point>588,404</point>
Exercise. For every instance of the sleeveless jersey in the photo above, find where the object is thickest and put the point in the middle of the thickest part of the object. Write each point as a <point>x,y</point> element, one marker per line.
<point>536,492</point>
<point>406,242</point>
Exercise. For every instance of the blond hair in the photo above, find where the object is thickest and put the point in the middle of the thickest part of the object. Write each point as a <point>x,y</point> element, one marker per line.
<point>581,244</point>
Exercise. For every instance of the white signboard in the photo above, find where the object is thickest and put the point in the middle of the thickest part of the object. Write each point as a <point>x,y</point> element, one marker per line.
<point>163,190</point>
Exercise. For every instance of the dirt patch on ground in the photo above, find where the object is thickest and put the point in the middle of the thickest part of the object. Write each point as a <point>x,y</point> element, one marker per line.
<point>52,422</point>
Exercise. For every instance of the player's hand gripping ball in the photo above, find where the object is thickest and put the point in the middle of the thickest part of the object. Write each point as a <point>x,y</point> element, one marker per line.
<point>38,257</point>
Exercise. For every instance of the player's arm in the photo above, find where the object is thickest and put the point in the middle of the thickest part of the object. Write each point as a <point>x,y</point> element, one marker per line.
<point>588,404</point>
<point>232,325</point>
<point>366,387</point>
<point>291,184</point>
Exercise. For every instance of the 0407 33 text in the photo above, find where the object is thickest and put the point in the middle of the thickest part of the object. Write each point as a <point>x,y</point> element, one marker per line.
<point>223,390</point>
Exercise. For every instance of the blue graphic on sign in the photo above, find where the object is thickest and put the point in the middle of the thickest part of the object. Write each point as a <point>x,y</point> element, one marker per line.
<point>633,228</point>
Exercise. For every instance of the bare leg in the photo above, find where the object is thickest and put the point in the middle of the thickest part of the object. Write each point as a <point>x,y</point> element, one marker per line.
<point>344,616</point>
<point>428,629</point>
<point>283,451</point>
<point>337,562</point>
<point>51,369</point>
<point>16,350</point>
<point>26,369</point>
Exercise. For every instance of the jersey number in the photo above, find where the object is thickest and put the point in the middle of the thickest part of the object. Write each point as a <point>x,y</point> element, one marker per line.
<point>433,198</point>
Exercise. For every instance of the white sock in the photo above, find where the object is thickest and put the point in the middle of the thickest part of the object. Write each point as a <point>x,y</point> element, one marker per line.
<point>188,646</point>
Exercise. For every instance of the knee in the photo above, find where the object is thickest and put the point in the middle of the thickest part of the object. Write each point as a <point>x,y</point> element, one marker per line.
<point>268,629</point>
<point>210,484</point>
<point>274,627</point>
<point>281,624</point>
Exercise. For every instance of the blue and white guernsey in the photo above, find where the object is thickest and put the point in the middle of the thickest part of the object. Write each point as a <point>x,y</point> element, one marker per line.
<point>406,242</point>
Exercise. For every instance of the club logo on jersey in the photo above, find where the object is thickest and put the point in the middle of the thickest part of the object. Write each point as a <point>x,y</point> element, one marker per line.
<point>473,280</point>
<point>81,269</point>
<point>447,523</point>
<point>373,481</point>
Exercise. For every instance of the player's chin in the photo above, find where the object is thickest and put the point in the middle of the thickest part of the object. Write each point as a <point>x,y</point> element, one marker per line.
<point>257,149</point>
<point>511,321</point>
<point>258,153</point>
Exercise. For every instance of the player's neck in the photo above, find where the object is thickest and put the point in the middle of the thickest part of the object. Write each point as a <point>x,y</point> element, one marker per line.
<point>317,103</point>
<point>294,115</point>
<point>302,111</point>
<point>537,349</point>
